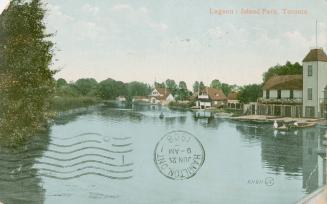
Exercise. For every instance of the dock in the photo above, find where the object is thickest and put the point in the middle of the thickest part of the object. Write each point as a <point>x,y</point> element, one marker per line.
<point>271,119</point>
<point>317,197</point>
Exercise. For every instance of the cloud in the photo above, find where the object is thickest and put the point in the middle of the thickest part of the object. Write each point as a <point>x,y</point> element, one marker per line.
<point>57,18</point>
<point>122,7</point>
<point>297,38</point>
<point>136,17</point>
<point>87,8</point>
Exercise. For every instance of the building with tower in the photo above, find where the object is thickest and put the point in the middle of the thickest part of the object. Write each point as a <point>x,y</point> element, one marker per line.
<point>314,82</point>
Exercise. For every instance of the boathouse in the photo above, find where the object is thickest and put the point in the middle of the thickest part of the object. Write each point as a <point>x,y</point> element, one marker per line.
<point>282,96</point>
<point>298,95</point>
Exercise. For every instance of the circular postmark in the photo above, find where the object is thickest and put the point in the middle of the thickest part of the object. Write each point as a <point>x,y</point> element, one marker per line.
<point>179,155</point>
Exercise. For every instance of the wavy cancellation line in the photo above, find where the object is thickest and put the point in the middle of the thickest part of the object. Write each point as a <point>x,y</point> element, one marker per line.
<point>88,134</point>
<point>79,135</point>
<point>57,159</point>
<point>66,152</point>
<point>70,165</point>
<point>66,178</point>
<point>16,172</point>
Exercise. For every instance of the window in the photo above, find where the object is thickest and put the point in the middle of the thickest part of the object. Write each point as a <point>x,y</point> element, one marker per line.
<point>279,94</point>
<point>267,94</point>
<point>310,70</point>
<point>291,94</point>
<point>309,93</point>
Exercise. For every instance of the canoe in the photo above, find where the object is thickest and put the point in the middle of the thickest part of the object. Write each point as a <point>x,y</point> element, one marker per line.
<point>306,125</point>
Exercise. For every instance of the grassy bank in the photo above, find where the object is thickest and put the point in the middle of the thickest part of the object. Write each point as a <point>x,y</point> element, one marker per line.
<point>180,106</point>
<point>60,104</point>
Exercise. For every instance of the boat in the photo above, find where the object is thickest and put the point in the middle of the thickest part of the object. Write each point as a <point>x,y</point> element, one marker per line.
<point>304,125</point>
<point>161,116</point>
<point>277,127</point>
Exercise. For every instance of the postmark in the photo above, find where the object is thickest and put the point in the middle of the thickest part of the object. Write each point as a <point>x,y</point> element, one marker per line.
<point>179,155</point>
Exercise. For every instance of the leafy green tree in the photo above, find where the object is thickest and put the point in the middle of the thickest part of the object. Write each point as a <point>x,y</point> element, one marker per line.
<point>215,84</point>
<point>61,82</point>
<point>159,85</point>
<point>109,89</point>
<point>85,86</point>
<point>138,89</point>
<point>196,86</point>
<point>227,88</point>
<point>201,86</point>
<point>287,69</point>
<point>171,86</point>
<point>250,93</point>
<point>26,54</point>
<point>182,92</point>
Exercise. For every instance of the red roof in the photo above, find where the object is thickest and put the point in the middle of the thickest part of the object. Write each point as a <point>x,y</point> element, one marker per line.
<point>214,94</point>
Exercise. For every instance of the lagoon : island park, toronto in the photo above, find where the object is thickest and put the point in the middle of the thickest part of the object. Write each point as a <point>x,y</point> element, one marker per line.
<point>257,11</point>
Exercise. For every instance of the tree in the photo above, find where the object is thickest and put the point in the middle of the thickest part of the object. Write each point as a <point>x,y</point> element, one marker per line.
<point>250,93</point>
<point>61,82</point>
<point>159,85</point>
<point>201,86</point>
<point>227,88</point>
<point>215,84</point>
<point>85,86</point>
<point>171,86</point>
<point>196,86</point>
<point>182,92</point>
<point>138,89</point>
<point>287,69</point>
<point>109,89</point>
<point>26,54</point>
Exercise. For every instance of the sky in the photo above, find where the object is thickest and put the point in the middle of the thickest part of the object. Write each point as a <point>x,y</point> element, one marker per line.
<point>152,40</point>
<point>3,5</point>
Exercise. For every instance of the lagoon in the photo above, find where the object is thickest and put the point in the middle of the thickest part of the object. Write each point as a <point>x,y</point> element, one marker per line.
<point>106,155</point>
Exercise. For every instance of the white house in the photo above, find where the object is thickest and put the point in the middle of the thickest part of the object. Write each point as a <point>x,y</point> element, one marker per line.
<point>210,97</point>
<point>314,82</point>
<point>161,96</point>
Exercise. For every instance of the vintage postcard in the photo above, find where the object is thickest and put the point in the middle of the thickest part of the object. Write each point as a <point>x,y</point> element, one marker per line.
<point>163,101</point>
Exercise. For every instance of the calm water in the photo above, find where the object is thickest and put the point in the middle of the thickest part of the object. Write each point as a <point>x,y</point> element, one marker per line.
<point>107,156</point>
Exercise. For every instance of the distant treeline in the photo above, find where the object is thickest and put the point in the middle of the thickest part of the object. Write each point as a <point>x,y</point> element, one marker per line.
<point>110,89</point>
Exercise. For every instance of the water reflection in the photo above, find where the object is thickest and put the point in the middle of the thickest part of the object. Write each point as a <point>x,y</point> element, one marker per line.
<point>88,137</point>
<point>293,153</point>
<point>19,180</point>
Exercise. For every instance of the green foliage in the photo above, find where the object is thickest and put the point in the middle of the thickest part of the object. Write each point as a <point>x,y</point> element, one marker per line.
<point>138,89</point>
<point>223,86</point>
<point>61,82</point>
<point>250,93</point>
<point>110,89</point>
<point>159,85</point>
<point>26,81</point>
<point>198,86</point>
<point>86,86</point>
<point>171,86</point>
<point>287,69</point>
<point>215,84</point>
<point>60,103</point>
<point>182,93</point>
